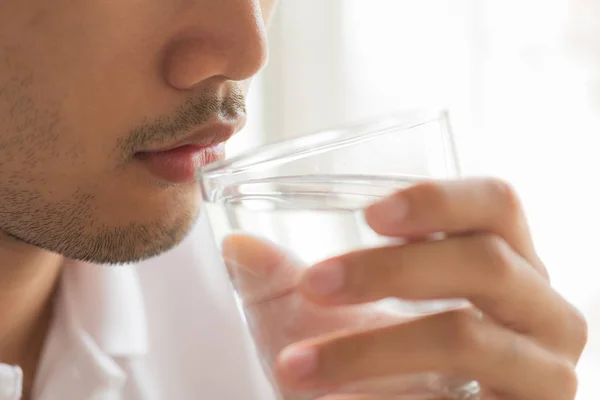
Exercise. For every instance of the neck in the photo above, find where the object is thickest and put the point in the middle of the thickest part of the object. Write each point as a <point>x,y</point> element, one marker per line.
<point>28,277</point>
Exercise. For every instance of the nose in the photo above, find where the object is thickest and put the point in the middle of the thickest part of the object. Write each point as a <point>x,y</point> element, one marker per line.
<point>224,38</point>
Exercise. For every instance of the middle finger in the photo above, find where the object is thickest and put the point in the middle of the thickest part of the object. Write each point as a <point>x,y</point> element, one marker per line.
<point>480,267</point>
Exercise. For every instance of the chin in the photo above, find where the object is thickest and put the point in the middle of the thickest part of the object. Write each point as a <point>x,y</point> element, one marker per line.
<point>132,242</point>
<point>107,226</point>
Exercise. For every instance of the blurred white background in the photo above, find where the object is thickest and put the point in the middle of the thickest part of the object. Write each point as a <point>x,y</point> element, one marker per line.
<point>520,77</point>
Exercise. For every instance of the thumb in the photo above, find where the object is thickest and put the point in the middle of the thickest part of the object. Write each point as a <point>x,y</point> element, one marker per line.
<point>265,277</point>
<point>259,270</point>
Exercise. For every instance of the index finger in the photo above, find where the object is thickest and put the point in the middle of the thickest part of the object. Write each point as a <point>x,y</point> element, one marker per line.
<point>457,207</point>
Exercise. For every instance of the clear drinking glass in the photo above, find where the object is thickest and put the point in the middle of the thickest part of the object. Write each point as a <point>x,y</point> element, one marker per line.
<point>279,209</point>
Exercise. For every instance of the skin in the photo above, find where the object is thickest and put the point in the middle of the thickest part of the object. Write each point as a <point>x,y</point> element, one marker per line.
<point>86,85</point>
<point>525,347</point>
<point>83,87</point>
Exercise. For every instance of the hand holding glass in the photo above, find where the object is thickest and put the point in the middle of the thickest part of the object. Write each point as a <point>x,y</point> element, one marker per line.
<point>277,210</point>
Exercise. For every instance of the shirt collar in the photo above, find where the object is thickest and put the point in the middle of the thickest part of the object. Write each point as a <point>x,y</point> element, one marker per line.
<point>107,303</point>
<point>99,315</point>
<point>11,382</point>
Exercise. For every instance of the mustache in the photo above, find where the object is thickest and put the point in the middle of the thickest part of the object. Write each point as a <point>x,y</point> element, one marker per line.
<point>196,111</point>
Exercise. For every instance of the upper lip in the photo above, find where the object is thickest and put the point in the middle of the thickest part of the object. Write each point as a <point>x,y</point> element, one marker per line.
<point>208,135</point>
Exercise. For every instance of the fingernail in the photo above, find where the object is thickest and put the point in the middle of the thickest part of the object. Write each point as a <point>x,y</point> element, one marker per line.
<point>324,279</point>
<point>298,362</point>
<point>392,210</point>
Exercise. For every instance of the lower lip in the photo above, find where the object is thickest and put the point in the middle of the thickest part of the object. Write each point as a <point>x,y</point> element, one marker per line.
<point>179,165</point>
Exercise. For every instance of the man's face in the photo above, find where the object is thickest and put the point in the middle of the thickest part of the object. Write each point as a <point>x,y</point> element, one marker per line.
<point>91,92</point>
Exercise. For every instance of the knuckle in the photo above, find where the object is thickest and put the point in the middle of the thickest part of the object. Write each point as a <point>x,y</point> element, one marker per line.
<point>565,377</point>
<point>465,342</point>
<point>505,193</point>
<point>497,257</point>
<point>580,331</point>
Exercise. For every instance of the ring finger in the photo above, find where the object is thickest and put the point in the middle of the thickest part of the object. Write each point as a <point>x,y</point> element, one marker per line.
<point>481,268</point>
<point>456,343</point>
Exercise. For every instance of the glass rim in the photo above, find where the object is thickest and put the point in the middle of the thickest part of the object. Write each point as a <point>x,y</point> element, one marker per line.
<point>286,150</point>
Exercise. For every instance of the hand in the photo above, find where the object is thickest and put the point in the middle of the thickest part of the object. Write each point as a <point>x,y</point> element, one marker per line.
<point>266,277</point>
<point>525,348</point>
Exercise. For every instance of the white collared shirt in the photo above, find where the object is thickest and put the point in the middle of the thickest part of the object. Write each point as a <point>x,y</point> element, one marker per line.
<point>166,328</point>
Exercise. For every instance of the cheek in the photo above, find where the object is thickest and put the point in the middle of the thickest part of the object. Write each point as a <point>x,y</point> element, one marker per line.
<point>40,140</point>
<point>28,123</point>
<point>80,79</point>
<point>41,154</point>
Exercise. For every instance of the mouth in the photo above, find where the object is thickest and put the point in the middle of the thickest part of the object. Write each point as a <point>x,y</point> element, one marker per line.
<point>177,162</point>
